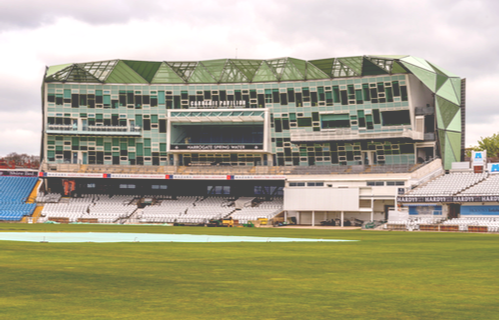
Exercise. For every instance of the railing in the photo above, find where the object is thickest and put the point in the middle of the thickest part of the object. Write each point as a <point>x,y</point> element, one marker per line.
<point>348,134</point>
<point>229,169</point>
<point>91,129</point>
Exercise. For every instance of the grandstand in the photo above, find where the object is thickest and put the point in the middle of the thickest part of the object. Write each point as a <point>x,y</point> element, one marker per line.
<point>460,201</point>
<point>14,193</point>
<point>307,141</point>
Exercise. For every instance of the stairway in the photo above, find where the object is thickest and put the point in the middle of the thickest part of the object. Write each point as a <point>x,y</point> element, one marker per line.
<point>34,193</point>
<point>37,213</point>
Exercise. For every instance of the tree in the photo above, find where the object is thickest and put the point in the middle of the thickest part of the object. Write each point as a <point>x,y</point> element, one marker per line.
<point>490,144</point>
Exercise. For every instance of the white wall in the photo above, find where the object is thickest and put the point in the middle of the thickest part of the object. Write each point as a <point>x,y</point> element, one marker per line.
<point>321,199</point>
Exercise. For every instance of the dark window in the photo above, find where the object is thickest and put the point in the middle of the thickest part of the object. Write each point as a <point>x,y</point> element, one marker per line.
<point>304,122</point>
<point>343,97</point>
<point>396,118</point>
<point>163,126</point>
<point>376,116</point>
<point>146,124</point>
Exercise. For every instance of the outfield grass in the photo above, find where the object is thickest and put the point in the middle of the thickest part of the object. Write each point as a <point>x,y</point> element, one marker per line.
<point>386,275</point>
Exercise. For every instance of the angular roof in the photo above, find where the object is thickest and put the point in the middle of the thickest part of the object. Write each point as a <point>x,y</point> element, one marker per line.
<point>245,70</point>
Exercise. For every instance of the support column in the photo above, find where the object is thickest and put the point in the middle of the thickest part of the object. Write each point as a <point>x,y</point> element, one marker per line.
<point>176,159</point>
<point>298,217</point>
<point>313,218</point>
<point>285,216</point>
<point>342,218</point>
<point>270,160</point>
<point>371,215</point>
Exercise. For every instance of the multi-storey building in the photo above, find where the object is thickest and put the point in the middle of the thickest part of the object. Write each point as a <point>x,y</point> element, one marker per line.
<point>335,114</point>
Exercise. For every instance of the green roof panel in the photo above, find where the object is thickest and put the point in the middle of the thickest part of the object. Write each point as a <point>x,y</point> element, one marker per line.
<point>313,72</point>
<point>247,67</point>
<point>290,72</point>
<point>77,74</point>
<point>371,69</point>
<point>301,66</point>
<point>165,74</point>
<point>232,74</point>
<point>201,75</point>
<point>449,154</point>
<point>443,71</point>
<point>53,69</point>
<point>325,65</point>
<point>215,67</point>
<point>145,69</point>
<point>421,63</point>
<point>457,86</point>
<point>447,92</point>
<point>427,77</point>
<point>99,69</point>
<point>264,74</point>
<point>354,63</point>
<point>456,123</point>
<point>455,139</point>
<point>447,110</point>
<point>398,68</point>
<point>440,80</point>
<point>277,66</point>
<point>122,73</point>
<point>385,64</point>
<point>246,71</point>
<point>61,75</point>
<point>183,69</point>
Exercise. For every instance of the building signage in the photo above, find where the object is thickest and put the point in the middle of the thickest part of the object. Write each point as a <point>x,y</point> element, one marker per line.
<point>478,158</point>
<point>198,147</point>
<point>449,199</point>
<point>479,210</point>
<point>211,104</point>
<point>18,173</point>
<point>493,167</point>
<point>159,176</point>
<point>262,177</point>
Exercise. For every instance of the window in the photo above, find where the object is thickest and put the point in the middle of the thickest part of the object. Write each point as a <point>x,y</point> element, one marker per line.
<point>297,184</point>
<point>395,183</point>
<point>375,183</point>
<point>304,122</point>
<point>335,121</point>
<point>159,187</point>
<point>396,118</point>
<point>315,184</point>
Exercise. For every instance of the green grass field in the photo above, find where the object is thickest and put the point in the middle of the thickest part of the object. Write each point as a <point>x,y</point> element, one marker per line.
<point>386,275</point>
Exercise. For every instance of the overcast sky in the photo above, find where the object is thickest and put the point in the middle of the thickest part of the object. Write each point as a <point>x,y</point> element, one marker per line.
<point>459,35</point>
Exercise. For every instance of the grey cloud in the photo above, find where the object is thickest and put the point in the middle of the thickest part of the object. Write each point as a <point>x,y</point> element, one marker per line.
<point>32,14</point>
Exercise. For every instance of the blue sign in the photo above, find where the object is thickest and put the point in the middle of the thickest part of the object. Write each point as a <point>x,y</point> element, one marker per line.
<point>479,210</point>
<point>494,167</point>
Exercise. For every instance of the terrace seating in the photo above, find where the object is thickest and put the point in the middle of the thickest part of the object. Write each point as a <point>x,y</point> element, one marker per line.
<point>50,197</point>
<point>13,194</point>
<point>449,184</point>
<point>484,188</point>
<point>265,210</point>
<point>192,210</point>
<point>463,223</point>
<point>490,224</point>
<point>101,208</point>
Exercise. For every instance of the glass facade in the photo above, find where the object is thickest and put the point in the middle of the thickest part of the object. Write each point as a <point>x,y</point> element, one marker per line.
<point>347,111</point>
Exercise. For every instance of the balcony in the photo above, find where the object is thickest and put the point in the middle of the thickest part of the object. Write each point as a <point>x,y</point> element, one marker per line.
<point>300,135</point>
<point>93,130</point>
<point>424,111</point>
